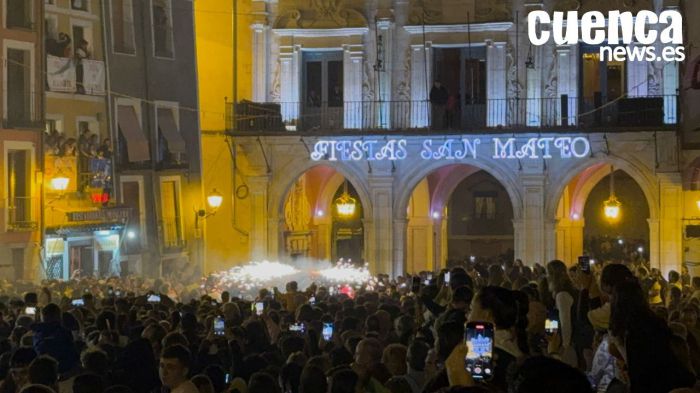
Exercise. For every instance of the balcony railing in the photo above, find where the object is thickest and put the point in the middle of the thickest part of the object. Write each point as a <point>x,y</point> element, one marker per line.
<point>66,75</point>
<point>19,214</point>
<point>517,114</point>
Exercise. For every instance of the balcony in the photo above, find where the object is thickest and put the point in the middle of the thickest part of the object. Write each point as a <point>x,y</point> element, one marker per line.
<point>19,214</point>
<point>492,115</point>
<point>20,114</point>
<point>65,75</point>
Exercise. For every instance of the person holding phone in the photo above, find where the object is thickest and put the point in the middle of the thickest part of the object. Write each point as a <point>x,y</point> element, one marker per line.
<point>507,311</point>
<point>565,297</point>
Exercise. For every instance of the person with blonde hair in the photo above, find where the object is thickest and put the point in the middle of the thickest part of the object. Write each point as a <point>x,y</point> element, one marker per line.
<point>565,297</point>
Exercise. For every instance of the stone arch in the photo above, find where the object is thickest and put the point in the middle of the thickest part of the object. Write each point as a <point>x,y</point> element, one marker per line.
<point>328,190</point>
<point>282,182</point>
<point>506,176</point>
<point>641,174</point>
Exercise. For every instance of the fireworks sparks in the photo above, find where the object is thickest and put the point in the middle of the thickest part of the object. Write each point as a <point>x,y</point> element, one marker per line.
<point>248,279</point>
<point>346,273</point>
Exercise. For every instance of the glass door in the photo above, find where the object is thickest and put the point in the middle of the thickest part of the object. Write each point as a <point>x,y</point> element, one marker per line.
<point>322,90</point>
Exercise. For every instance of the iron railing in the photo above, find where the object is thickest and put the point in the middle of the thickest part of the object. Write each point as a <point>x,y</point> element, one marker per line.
<point>655,112</point>
<point>19,214</point>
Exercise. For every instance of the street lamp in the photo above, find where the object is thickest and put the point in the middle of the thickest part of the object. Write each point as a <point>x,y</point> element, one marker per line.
<point>345,204</point>
<point>611,207</point>
<point>60,183</point>
<point>214,200</point>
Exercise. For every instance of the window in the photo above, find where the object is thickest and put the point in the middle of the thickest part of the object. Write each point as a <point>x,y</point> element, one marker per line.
<point>19,14</point>
<point>123,26</point>
<point>19,94</point>
<point>80,5</point>
<point>162,28</point>
<point>171,145</point>
<point>19,200</point>
<point>170,209</point>
<point>132,196</point>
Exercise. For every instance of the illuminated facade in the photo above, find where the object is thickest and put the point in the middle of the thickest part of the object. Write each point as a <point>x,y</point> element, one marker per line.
<point>20,138</point>
<point>458,138</point>
<point>121,148</point>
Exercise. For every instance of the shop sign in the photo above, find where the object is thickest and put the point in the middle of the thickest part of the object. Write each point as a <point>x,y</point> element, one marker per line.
<point>564,147</point>
<point>103,215</point>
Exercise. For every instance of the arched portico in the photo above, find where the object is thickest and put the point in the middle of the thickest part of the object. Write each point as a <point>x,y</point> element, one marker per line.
<point>455,172</point>
<point>572,184</point>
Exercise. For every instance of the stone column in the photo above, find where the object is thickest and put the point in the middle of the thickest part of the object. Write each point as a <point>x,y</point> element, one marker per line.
<point>533,226</point>
<point>260,61</point>
<point>324,226</point>
<point>259,218</point>
<point>670,237</point>
<point>654,246</point>
<point>290,95</point>
<point>380,188</point>
<point>496,84</point>
<point>400,225</point>
<point>420,85</point>
<point>353,80</point>
<point>419,243</point>
<point>519,241</point>
<point>551,236</point>
<point>276,246</point>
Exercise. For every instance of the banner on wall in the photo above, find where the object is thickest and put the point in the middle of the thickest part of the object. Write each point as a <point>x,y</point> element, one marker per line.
<point>94,77</point>
<point>60,73</point>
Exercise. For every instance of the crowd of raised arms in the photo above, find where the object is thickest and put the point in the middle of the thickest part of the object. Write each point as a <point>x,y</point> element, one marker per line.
<point>473,328</point>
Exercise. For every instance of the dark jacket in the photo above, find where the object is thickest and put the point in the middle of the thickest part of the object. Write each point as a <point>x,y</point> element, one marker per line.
<point>651,364</point>
<point>50,338</point>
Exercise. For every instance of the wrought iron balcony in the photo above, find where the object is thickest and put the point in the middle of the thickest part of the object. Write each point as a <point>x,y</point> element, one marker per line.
<point>19,214</point>
<point>490,115</point>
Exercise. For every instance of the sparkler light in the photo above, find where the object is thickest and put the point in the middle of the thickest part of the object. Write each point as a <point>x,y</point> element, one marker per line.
<point>347,273</point>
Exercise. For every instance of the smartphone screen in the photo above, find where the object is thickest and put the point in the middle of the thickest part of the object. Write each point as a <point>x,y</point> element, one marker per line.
<point>584,264</point>
<point>219,326</point>
<point>30,310</point>
<point>551,326</point>
<point>297,327</point>
<point>77,302</point>
<point>327,331</point>
<point>312,300</point>
<point>154,298</point>
<point>447,278</point>
<point>259,308</point>
<point>227,378</point>
<point>479,360</point>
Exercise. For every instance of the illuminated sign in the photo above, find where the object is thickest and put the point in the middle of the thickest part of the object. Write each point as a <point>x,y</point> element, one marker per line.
<point>451,149</point>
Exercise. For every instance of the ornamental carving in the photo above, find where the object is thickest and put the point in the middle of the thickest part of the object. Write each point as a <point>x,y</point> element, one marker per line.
<point>319,14</point>
<point>431,12</point>
<point>603,5</point>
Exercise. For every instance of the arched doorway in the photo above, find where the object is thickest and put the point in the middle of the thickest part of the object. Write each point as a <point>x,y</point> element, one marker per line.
<point>311,224</point>
<point>583,228</point>
<point>455,213</point>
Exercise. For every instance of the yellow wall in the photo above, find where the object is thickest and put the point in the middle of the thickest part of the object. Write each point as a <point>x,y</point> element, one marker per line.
<point>225,245</point>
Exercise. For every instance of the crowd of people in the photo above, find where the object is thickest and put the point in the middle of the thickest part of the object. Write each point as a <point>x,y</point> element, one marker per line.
<point>621,328</point>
